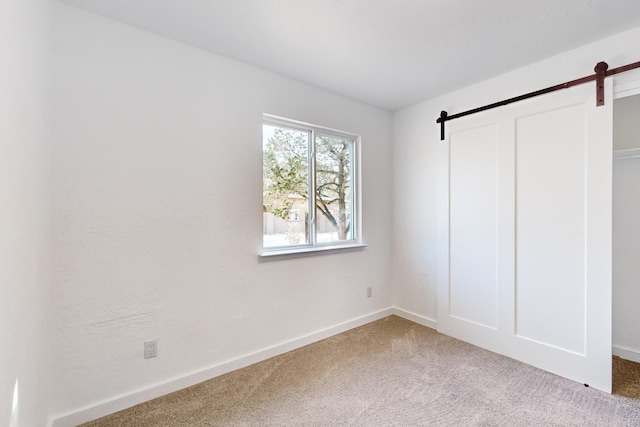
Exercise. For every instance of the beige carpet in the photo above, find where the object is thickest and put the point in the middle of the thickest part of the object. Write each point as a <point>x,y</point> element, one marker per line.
<point>389,373</point>
<point>626,378</point>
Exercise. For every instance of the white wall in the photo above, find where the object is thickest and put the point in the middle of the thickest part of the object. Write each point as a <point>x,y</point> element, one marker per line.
<point>157,213</point>
<point>420,162</point>
<point>626,123</point>
<point>24,213</point>
<point>626,230</point>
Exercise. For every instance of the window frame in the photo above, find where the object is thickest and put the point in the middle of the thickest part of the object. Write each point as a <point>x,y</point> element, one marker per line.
<point>355,191</point>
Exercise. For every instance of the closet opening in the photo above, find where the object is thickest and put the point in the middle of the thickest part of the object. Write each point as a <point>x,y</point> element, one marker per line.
<point>626,246</point>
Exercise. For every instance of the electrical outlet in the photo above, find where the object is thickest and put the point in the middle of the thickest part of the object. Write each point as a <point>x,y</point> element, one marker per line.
<point>150,349</point>
<point>369,292</point>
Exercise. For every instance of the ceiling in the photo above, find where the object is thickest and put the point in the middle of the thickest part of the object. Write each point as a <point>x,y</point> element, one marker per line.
<point>387,53</point>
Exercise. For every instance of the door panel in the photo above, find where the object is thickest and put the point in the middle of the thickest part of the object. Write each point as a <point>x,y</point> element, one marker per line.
<point>474,262</point>
<point>528,272</point>
<point>550,227</point>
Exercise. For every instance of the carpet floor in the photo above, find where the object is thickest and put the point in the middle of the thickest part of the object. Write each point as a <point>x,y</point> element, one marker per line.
<point>626,378</point>
<point>392,372</point>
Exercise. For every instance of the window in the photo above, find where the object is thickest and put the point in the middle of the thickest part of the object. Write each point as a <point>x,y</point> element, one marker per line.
<point>309,187</point>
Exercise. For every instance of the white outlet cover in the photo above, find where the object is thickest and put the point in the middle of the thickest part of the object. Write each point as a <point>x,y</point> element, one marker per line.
<point>150,349</point>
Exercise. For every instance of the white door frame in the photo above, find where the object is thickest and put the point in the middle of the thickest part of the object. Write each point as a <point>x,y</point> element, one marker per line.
<point>626,84</point>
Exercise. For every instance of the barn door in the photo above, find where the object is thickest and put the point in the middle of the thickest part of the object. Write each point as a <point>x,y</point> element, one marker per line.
<point>528,272</point>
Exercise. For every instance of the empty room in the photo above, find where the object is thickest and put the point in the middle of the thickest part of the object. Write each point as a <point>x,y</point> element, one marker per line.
<point>323,212</point>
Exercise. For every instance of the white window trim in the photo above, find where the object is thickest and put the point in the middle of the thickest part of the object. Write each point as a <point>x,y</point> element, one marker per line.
<point>356,218</point>
<point>295,252</point>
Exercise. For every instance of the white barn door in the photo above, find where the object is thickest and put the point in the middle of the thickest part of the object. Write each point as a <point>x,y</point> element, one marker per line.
<point>528,272</point>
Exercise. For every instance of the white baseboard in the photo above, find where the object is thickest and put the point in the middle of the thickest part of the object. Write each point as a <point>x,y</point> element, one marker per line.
<point>119,403</point>
<point>414,317</point>
<point>626,353</point>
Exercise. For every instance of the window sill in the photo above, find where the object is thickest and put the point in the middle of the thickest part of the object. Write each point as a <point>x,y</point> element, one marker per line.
<point>316,250</point>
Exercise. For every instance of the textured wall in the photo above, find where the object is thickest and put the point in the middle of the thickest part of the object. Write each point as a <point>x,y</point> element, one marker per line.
<point>24,212</point>
<point>157,212</point>
<point>421,162</point>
